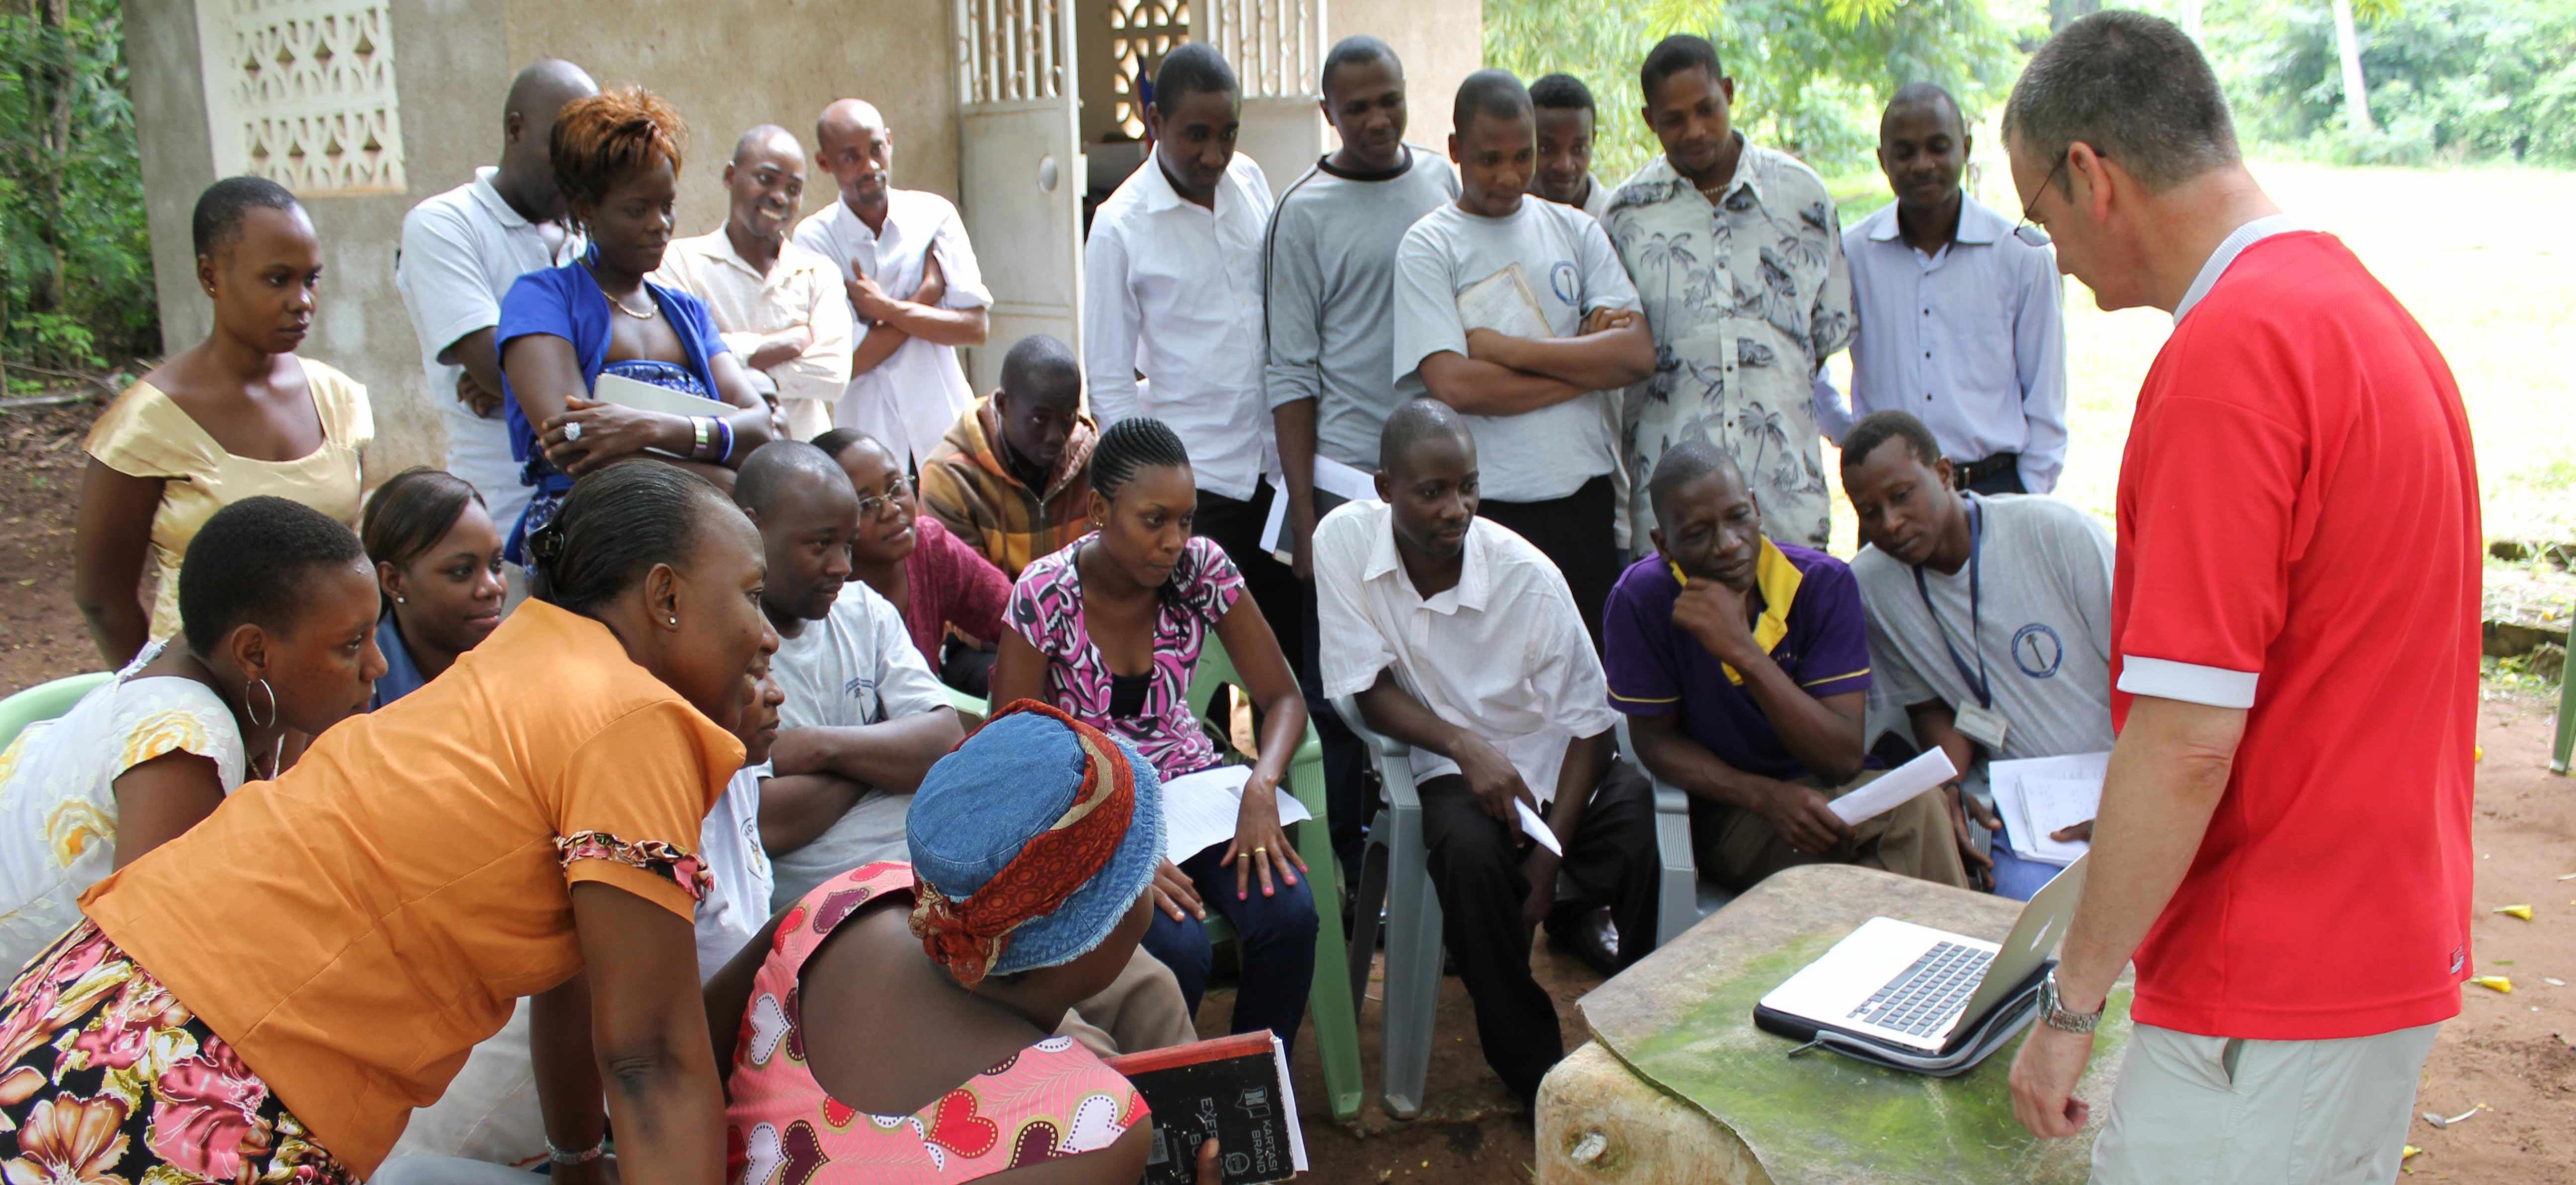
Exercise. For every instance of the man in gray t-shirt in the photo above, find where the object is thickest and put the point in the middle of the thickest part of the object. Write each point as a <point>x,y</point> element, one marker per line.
<point>1517,312</point>
<point>1989,617</point>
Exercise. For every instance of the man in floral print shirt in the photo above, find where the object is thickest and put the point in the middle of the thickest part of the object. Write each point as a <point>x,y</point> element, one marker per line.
<point>1738,257</point>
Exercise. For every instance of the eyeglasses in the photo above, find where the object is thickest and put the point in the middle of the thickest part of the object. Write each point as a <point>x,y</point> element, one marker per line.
<point>892,499</point>
<point>2027,231</point>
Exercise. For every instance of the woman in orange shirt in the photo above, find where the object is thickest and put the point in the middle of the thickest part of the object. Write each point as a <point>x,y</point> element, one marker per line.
<point>269,995</point>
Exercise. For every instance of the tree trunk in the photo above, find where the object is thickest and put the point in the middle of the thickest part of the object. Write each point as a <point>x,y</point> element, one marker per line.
<point>53,91</point>
<point>2356,93</point>
<point>2191,19</point>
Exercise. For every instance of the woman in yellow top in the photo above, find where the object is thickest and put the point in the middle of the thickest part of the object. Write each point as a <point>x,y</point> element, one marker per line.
<point>235,415</point>
<point>268,996</point>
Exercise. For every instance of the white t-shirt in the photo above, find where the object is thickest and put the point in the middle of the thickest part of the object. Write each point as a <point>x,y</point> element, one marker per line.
<point>461,251</point>
<point>855,667</point>
<point>1571,270</point>
<point>737,900</point>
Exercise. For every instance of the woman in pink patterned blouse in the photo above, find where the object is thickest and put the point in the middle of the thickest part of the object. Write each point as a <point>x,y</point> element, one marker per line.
<point>1110,630</point>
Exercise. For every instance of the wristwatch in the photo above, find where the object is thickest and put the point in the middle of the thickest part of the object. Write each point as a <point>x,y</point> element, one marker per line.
<point>2057,1017</point>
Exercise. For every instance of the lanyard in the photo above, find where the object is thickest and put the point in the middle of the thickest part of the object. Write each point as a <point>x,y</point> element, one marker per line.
<point>1976,550</point>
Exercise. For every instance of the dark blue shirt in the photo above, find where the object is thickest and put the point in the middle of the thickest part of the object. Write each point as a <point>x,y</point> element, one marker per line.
<point>566,302</point>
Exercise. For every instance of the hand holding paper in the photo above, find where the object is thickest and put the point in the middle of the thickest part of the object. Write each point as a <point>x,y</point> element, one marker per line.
<point>1896,787</point>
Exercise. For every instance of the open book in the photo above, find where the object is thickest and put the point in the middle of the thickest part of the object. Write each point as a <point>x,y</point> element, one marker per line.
<point>1235,1089</point>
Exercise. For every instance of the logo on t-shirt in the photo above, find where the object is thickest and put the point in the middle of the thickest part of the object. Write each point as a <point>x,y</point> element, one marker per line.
<point>1567,283</point>
<point>2038,651</point>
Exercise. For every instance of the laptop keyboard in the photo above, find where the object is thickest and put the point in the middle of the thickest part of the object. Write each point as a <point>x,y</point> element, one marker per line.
<point>1927,996</point>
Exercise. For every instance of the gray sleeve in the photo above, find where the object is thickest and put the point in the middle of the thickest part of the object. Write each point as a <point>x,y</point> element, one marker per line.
<point>1905,686</point>
<point>1292,308</point>
<point>1426,304</point>
<point>2083,554</point>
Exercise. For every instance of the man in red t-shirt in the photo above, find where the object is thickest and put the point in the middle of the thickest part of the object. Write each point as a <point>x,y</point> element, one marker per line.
<point>2283,843</point>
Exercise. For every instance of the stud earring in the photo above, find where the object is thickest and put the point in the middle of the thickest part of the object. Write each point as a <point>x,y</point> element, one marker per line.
<point>675,621</point>
<point>401,601</point>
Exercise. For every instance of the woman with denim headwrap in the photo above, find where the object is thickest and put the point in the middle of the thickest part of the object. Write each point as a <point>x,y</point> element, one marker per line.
<point>923,996</point>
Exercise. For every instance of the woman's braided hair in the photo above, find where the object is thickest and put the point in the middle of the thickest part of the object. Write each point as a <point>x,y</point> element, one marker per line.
<point>1132,444</point>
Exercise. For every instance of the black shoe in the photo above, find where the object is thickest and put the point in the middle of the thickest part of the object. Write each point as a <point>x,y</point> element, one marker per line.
<point>1589,936</point>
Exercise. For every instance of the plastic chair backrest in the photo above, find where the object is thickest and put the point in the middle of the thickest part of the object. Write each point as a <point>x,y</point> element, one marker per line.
<point>44,701</point>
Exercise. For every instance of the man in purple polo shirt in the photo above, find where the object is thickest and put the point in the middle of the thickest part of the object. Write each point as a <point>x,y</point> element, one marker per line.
<point>1742,665</point>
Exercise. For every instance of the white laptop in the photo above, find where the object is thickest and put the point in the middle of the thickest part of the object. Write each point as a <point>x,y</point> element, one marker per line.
<point>1922,999</point>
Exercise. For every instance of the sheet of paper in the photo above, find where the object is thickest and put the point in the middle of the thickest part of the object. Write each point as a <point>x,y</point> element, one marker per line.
<point>1504,303</point>
<point>1537,828</point>
<point>1331,477</point>
<point>1896,787</point>
<point>1199,810</point>
<point>643,396</point>
<point>1288,1106</point>
<point>2043,794</point>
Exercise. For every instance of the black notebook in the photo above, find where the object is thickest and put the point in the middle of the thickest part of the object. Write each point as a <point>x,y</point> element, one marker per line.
<point>1233,1088</point>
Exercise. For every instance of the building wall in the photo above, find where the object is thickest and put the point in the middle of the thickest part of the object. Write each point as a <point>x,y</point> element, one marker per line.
<point>1441,42</point>
<point>726,66</point>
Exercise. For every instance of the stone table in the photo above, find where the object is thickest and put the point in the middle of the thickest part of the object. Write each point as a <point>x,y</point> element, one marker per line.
<point>1679,1086</point>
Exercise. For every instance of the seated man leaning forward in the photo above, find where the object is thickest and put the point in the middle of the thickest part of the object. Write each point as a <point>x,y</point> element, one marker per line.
<point>1007,478</point>
<point>1989,619</point>
<point>1459,638</point>
<point>1743,665</point>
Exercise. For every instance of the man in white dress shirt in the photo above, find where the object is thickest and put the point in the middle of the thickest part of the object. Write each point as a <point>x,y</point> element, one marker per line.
<point>1459,638</point>
<point>778,305</point>
<point>461,251</point>
<point>912,282</point>
<point>1171,307</point>
<point>1960,321</point>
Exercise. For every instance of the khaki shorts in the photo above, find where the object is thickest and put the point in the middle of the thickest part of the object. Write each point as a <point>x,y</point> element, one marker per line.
<point>2225,1109</point>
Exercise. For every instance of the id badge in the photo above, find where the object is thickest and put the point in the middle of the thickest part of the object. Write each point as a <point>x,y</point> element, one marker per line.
<point>1983,725</point>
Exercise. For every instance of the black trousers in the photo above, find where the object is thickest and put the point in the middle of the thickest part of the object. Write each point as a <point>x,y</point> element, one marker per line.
<point>1575,532</point>
<point>1475,863</point>
<point>1236,527</point>
<point>1998,474</point>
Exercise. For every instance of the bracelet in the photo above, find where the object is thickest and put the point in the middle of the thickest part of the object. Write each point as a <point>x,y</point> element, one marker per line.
<point>701,425</point>
<point>594,1152</point>
<point>724,440</point>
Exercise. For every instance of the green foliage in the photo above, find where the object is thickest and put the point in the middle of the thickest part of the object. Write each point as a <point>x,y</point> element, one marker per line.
<point>1810,79</point>
<point>75,257</point>
<point>2450,80</point>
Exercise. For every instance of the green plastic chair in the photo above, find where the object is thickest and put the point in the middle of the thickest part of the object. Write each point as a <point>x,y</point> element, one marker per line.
<point>44,701</point>
<point>2566,745</point>
<point>972,707</point>
<point>1331,1001</point>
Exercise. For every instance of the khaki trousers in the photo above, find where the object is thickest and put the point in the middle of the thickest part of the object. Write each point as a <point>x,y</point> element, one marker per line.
<point>1737,848</point>
<point>2226,1110</point>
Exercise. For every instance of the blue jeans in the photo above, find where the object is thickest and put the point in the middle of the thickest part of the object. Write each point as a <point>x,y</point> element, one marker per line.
<point>2015,877</point>
<point>1277,934</point>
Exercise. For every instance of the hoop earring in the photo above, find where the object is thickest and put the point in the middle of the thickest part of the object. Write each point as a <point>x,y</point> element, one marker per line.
<point>266,690</point>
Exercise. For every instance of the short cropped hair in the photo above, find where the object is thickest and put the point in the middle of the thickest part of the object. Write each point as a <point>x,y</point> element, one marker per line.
<point>1562,92</point>
<point>1685,462</point>
<point>1040,364</point>
<point>1879,427</point>
<point>1191,68</point>
<point>253,563</point>
<point>780,469</point>
<point>607,137</point>
<point>220,210</point>
<point>1418,420</point>
<point>1673,55</point>
<point>1358,49</point>
<point>1490,91</point>
<point>2132,86</point>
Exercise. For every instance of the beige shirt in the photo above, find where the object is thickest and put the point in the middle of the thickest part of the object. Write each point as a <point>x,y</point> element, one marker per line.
<point>801,289</point>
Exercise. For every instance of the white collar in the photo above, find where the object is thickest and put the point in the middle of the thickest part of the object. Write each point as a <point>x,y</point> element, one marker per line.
<point>1474,576</point>
<point>2228,249</point>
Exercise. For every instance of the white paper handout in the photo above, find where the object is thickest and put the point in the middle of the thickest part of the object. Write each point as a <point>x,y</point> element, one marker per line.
<point>1331,477</point>
<point>1199,810</point>
<point>644,396</point>
<point>1505,303</point>
<point>2040,795</point>
<point>1537,827</point>
<point>1895,788</point>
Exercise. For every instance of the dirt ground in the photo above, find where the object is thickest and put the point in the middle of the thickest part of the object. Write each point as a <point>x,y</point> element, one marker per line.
<point>2515,1054</point>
